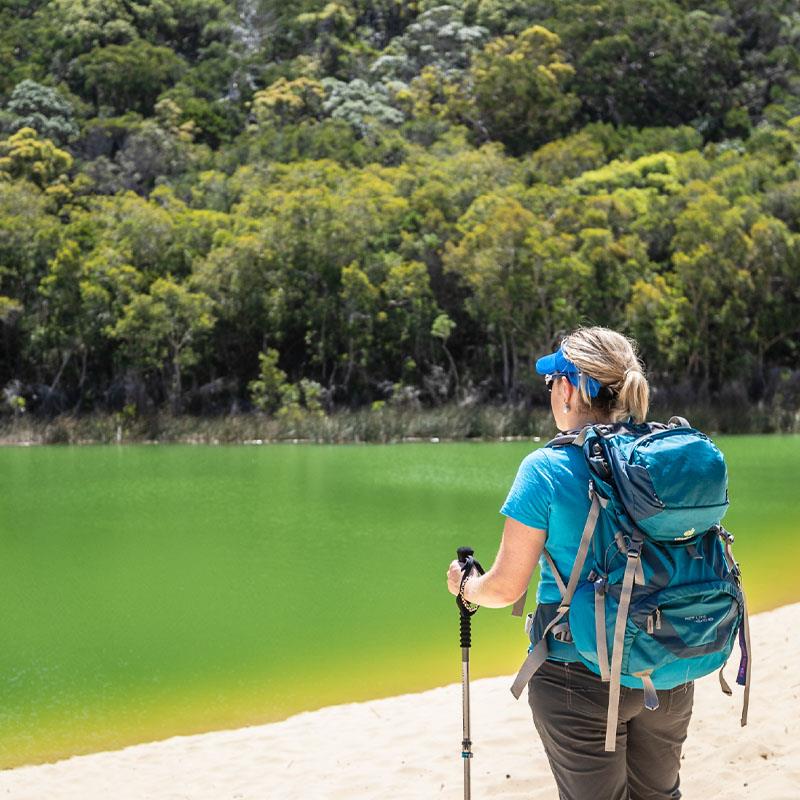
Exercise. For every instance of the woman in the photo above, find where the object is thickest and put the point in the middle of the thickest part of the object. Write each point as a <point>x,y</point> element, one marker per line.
<point>594,377</point>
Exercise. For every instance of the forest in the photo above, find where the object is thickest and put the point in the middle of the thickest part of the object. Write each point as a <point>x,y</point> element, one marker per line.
<point>213,207</point>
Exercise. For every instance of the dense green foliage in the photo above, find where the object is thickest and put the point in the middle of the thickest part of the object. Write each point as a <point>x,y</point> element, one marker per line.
<point>208,205</point>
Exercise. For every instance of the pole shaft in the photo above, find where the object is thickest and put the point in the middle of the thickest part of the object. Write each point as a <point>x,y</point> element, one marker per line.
<point>466,744</point>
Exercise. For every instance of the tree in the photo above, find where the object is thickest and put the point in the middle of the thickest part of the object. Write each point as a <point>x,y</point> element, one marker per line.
<point>267,391</point>
<point>441,329</point>
<point>126,77</point>
<point>567,158</point>
<point>657,170</point>
<point>654,316</point>
<point>29,239</point>
<point>360,104</point>
<point>82,297</point>
<point>328,30</point>
<point>490,258</point>
<point>520,89</point>
<point>409,308</point>
<point>506,16</point>
<point>239,274</point>
<point>652,65</point>
<point>149,153</point>
<point>775,268</point>
<point>84,24</point>
<point>163,330</point>
<point>310,221</point>
<point>359,300</point>
<point>43,109</point>
<point>288,101</point>
<point>439,37</point>
<point>711,253</point>
<point>25,155</point>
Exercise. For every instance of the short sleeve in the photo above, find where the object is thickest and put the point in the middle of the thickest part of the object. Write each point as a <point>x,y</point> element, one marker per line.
<point>532,493</point>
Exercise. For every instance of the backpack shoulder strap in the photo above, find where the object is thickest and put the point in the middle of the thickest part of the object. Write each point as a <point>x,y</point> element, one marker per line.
<point>578,436</point>
<point>575,437</point>
<point>538,655</point>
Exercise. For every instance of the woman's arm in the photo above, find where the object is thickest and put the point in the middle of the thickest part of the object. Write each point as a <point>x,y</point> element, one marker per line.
<point>511,572</point>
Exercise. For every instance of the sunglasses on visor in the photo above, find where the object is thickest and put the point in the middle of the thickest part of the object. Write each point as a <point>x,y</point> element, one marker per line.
<point>550,378</point>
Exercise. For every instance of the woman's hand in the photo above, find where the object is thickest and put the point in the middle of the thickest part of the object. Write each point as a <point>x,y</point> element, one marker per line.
<point>454,575</point>
<point>511,572</point>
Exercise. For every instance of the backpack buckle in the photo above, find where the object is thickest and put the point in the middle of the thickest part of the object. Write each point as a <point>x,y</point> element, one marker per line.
<point>563,635</point>
<point>718,530</point>
<point>635,549</point>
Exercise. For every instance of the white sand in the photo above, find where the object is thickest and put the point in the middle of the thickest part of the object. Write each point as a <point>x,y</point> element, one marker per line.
<point>408,747</point>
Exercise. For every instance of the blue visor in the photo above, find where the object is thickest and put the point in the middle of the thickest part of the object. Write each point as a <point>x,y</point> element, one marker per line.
<point>558,363</point>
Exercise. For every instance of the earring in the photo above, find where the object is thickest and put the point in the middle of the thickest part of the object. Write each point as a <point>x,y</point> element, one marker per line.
<point>566,408</point>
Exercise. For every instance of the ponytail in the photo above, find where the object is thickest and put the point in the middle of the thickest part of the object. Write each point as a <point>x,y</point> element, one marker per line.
<point>610,358</point>
<point>633,397</point>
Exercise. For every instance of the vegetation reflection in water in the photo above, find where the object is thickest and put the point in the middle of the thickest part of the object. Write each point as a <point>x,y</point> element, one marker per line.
<point>152,591</point>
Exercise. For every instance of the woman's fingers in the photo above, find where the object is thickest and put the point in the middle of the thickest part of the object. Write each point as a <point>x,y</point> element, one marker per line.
<point>454,574</point>
<point>454,577</point>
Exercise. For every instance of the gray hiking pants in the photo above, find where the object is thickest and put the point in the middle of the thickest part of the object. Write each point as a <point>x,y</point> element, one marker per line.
<point>569,705</point>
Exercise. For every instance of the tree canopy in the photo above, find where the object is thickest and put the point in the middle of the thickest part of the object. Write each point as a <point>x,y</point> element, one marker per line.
<point>208,205</point>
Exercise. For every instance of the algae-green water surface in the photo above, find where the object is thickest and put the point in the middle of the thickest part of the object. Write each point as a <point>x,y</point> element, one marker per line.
<point>154,591</point>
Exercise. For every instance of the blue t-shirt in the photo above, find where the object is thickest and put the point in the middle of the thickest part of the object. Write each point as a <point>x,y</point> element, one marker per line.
<point>551,492</point>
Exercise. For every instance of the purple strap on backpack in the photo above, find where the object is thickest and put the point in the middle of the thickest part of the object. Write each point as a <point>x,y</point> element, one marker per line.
<point>741,678</point>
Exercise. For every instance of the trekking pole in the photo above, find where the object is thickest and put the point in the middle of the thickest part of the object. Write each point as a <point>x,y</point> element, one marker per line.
<point>467,561</point>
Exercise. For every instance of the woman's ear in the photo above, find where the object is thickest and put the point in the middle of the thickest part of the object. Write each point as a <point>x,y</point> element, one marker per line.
<point>566,394</point>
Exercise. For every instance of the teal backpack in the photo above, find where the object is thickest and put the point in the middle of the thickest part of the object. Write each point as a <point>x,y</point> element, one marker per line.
<point>662,602</point>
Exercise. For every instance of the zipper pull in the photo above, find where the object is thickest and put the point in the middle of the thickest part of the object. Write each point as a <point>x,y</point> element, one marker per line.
<point>650,624</point>
<point>658,619</point>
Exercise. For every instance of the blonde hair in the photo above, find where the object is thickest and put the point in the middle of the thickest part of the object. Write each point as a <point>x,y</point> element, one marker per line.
<point>612,359</point>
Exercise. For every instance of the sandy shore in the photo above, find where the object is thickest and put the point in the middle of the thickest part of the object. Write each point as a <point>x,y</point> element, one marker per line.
<point>408,747</point>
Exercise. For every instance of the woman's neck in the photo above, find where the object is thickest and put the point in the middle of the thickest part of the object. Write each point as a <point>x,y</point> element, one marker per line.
<point>578,421</point>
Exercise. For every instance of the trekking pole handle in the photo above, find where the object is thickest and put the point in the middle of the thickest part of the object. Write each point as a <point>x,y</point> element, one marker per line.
<point>467,561</point>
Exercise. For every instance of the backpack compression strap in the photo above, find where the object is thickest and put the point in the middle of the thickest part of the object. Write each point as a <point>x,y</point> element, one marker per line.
<point>538,655</point>
<point>745,663</point>
<point>619,643</point>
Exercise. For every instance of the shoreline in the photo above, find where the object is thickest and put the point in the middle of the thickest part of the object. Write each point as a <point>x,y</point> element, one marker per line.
<point>408,746</point>
<point>9,443</point>
<point>292,441</point>
<point>446,423</point>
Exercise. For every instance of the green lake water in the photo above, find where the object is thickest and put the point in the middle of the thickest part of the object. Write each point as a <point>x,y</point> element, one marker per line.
<point>159,590</point>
